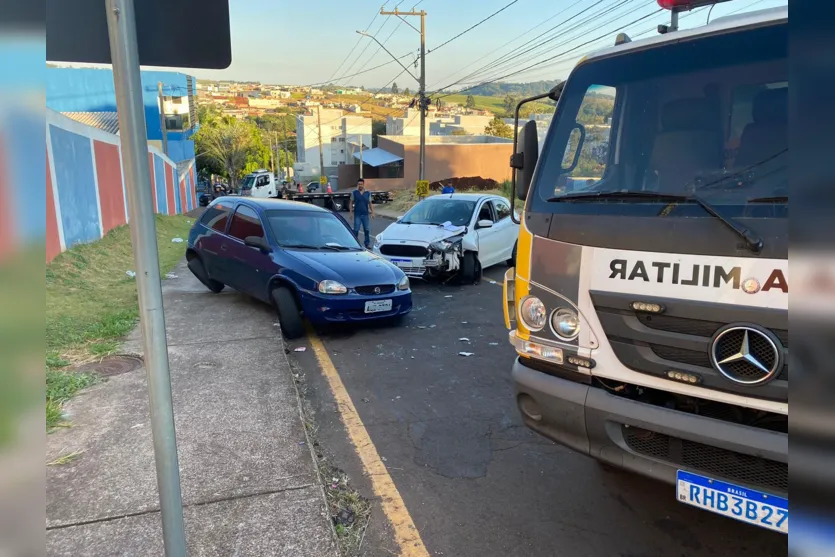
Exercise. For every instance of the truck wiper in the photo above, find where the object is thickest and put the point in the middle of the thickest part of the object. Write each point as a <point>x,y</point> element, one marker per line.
<point>772,199</point>
<point>752,240</point>
<point>643,195</point>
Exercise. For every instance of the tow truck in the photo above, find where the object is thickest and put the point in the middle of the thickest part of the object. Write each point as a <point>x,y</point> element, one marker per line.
<point>649,303</point>
<point>262,183</point>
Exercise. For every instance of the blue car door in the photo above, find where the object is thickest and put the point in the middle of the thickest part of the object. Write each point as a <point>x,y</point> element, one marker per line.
<point>250,267</point>
<point>213,242</point>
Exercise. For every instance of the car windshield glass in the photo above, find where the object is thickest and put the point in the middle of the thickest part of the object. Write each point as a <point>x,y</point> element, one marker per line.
<point>438,211</point>
<point>311,230</point>
<point>705,117</point>
<point>247,183</point>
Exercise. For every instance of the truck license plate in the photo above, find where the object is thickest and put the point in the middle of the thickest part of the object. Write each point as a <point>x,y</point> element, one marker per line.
<point>744,504</point>
<point>377,306</point>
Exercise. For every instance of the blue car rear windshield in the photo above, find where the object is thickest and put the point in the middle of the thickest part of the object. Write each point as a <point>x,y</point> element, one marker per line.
<point>310,230</point>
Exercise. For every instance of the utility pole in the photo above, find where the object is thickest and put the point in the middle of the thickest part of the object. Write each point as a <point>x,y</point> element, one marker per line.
<point>162,119</point>
<point>272,154</point>
<point>321,152</point>
<point>360,156</point>
<point>124,50</point>
<point>287,149</point>
<point>423,104</point>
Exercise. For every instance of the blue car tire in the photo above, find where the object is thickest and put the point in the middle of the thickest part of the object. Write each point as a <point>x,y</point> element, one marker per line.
<point>195,265</point>
<point>289,315</point>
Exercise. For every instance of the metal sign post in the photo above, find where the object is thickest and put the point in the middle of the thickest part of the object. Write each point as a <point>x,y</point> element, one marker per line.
<point>121,25</point>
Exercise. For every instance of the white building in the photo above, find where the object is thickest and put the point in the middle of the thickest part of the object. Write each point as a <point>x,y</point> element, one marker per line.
<point>461,123</point>
<point>409,123</point>
<point>341,137</point>
<point>280,94</point>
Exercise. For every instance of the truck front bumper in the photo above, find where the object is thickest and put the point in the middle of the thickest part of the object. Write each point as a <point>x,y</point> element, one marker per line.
<point>650,440</point>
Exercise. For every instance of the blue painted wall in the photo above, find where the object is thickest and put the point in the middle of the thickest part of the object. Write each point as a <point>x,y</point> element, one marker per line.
<point>73,159</point>
<point>159,185</point>
<point>92,90</point>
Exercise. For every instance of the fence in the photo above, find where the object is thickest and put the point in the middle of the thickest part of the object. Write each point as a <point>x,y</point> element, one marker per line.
<point>85,184</point>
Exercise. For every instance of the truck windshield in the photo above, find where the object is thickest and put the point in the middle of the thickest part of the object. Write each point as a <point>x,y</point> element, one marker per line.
<point>705,116</point>
<point>248,182</point>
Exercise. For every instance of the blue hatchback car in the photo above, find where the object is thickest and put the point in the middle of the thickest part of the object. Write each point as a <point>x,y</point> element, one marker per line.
<point>301,258</point>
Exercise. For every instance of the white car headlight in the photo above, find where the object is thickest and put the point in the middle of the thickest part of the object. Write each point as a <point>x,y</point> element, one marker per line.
<point>533,314</point>
<point>378,239</point>
<point>332,287</point>
<point>403,284</point>
<point>565,323</point>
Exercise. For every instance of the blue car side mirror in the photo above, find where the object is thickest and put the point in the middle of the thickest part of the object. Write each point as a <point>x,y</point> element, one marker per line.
<point>258,242</point>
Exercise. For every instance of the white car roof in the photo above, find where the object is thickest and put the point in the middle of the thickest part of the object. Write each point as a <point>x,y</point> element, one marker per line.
<point>465,196</point>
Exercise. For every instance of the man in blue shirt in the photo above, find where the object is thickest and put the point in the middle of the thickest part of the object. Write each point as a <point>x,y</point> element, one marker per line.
<point>363,208</point>
<point>448,188</point>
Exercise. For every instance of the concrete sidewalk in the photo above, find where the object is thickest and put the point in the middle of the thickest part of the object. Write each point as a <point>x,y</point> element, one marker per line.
<point>249,483</point>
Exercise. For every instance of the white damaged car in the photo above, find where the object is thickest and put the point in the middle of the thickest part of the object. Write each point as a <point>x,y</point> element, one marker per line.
<point>451,234</point>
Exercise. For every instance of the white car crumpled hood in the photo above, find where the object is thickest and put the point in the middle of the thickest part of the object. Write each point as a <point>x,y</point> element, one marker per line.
<point>426,233</point>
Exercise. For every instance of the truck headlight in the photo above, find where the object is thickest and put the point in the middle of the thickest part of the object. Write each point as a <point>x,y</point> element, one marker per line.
<point>533,313</point>
<point>332,287</point>
<point>565,323</point>
<point>403,284</point>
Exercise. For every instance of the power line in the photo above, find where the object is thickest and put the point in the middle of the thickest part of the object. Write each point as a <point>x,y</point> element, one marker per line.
<point>467,30</point>
<point>356,44</point>
<point>549,59</point>
<point>517,53</point>
<point>512,40</point>
<point>380,46</point>
<point>514,56</point>
<point>380,28</point>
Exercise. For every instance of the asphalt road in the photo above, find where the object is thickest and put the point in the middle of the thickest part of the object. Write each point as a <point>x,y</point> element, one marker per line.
<point>475,481</point>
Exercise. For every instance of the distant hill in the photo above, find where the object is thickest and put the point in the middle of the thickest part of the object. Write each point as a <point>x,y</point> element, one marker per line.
<point>501,89</point>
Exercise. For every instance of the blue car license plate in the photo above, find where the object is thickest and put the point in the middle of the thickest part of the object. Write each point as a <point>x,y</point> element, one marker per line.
<point>742,503</point>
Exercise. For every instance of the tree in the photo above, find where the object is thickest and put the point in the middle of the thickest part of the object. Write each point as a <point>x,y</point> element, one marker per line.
<point>407,92</point>
<point>470,102</point>
<point>227,145</point>
<point>510,102</point>
<point>395,89</point>
<point>498,128</point>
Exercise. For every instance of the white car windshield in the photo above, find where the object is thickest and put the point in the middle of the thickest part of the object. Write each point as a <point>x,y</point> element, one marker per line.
<point>247,183</point>
<point>459,212</point>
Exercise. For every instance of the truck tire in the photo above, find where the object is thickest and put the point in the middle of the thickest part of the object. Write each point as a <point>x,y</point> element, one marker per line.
<point>195,265</point>
<point>338,205</point>
<point>289,313</point>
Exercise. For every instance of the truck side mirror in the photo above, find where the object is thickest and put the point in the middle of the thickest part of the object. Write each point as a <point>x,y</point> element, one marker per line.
<point>525,158</point>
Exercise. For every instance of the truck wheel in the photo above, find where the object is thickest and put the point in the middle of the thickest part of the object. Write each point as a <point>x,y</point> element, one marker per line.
<point>289,314</point>
<point>338,205</point>
<point>469,268</point>
<point>195,265</point>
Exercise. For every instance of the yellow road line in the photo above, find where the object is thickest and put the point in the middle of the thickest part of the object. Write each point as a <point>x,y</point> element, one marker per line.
<point>405,533</point>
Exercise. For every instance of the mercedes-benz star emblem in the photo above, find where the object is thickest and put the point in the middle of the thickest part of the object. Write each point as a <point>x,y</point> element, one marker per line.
<point>377,290</point>
<point>746,355</point>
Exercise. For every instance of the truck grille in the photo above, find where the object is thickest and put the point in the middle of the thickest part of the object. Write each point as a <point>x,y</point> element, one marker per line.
<point>375,289</point>
<point>695,327</point>
<point>757,472</point>
<point>403,250</point>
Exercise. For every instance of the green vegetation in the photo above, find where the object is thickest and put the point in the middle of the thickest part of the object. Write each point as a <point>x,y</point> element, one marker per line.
<point>500,89</point>
<point>498,128</point>
<point>91,303</point>
<point>233,148</point>
<point>500,106</point>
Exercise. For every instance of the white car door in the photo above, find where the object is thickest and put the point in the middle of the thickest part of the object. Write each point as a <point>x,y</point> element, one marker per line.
<point>508,230</point>
<point>489,238</point>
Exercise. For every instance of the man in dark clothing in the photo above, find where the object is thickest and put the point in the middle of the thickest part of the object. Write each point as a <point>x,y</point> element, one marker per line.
<point>363,208</point>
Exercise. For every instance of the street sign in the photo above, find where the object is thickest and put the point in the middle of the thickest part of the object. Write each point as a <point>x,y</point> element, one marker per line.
<point>422,188</point>
<point>166,33</point>
<point>323,180</point>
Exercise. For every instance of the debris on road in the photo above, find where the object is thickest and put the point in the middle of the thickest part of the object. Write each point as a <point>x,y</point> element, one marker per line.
<point>301,442</point>
<point>366,399</point>
<point>494,344</point>
<point>300,349</point>
<point>421,326</point>
<point>345,517</point>
<point>463,322</point>
<point>465,353</point>
<point>171,276</point>
<point>464,339</point>
<point>131,274</point>
<point>448,296</point>
<point>397,397</point>
<point>177,240</point>
<point>431,326</point>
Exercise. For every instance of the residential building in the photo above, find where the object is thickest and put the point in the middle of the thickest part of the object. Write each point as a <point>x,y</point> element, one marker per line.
<point>266,103</point>
<point>465,124</point>
<point>280,94</point>
<point>91,90</point>
<point>341,138</point>
<point>409,123</point>
<point>395,163</point>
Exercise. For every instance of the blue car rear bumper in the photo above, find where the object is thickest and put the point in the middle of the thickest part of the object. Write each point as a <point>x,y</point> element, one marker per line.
<point>351,307</point>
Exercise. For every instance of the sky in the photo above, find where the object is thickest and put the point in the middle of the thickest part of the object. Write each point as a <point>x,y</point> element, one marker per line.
<point>310,43</point>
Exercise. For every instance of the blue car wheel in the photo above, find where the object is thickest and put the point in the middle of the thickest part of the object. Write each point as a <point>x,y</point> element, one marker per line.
<point>289,314</point>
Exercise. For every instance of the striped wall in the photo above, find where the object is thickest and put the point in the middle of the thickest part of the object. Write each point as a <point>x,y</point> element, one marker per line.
<point>85,186</point>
